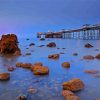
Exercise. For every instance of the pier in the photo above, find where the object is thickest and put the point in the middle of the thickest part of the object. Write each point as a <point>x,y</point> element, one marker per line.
<point>86,33</point>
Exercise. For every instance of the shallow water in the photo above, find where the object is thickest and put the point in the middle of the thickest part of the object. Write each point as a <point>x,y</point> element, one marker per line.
<point>49,87</point>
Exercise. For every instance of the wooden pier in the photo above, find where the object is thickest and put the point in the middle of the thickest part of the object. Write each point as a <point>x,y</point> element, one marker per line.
<point>86,33</point>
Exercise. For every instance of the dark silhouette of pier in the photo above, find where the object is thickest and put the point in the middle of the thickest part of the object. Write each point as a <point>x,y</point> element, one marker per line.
<point>86,32</point>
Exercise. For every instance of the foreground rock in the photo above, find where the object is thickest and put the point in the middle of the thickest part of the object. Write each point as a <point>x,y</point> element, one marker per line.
<point>40,70</point>
<point>52,44</point>
<point>24,65</point>
<point>9,44</point>
<point>97,56</point>
<point>73,85</point>
<point>88,57</point>
<point>91,71</point>
<point>53,56</point>
<point>69,95</point>
<point>4,76</point>
<point>88,45</point>
<point>66,64</point>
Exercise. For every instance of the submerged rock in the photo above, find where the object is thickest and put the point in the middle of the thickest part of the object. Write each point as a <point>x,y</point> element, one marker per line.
<point>42,39</point>
<point>66,64</point>
<point>9,44</point>
<point>91,71</point>
<point>75,54</point>
<point>24,65</point>
<point>69,95</point>
<point>53,56</point>
<point>73,85</point>
<point>88,57</point>
<point>28,54</point>
<point>97,56</point>
<point>52,44</point>
<point>4,76</point>
<point>11,68</point>
<point>88,45</point>
<point>31,44</point>
<point>40,70</point>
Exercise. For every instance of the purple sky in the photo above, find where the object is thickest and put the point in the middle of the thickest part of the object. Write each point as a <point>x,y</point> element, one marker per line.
<point>30,16</point>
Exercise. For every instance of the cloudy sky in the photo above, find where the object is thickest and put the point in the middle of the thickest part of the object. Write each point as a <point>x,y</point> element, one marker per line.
<point>30,16</point>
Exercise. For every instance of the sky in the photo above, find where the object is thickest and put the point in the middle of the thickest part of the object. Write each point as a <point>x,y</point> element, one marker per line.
<point>26,17</point>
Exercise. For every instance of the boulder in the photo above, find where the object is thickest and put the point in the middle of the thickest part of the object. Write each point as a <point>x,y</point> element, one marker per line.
<point>52,44</point>
<point>53,56</point>
<point>88,45</point>
<point>66,64</point>
<point>40,70</point>
<point>69,95</point>
<point>97,56</point>
<point>4,76</point>
<point>88,57</point>
<point>73,85</point>
<point>9,44</point>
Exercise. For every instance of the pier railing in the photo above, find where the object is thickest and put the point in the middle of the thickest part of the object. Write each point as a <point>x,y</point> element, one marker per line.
<point>88,32</point>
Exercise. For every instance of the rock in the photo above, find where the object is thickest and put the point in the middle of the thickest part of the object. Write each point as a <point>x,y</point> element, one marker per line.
<point>52,44</point>
<point>22,97</point>
<point>97,56</point>
<point>4,76</point>
<point>88,57</point>
<point>17,53</point>
<point>9,44</point>
<point>42,39</point>
<point>32,44</point>
<point>28,54</point>
<point>69,95</point>
<point>40,70</point>
<point>66,64</point>
<point>73,85</point>
<point>32,90</point>
<point>41,45</point>
<point>91,71</point>
<point>62,53</point>
<point>75,54</point>
<point>63,48</point>
<point>11,68</point>
<point>38,64</point>
<point>53,56</point>
<point>88,45</point>
<point>27,39</point>
<point>24,65</point>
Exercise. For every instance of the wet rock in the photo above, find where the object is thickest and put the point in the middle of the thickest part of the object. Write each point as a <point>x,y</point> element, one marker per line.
<point>42,39</point>
<point>73,85</point>
<point>24,65</point>
<point>52,44</point>
<point>38,64</point>
<point>9,44</point>
<point>53,56</point>
<point>11,68</point>
<point>75,54</point>
<point>66,64</point>
<point>88,57</point>
<point>69,95</point>
<point>91,71</point>
<point>22,97</point>
<point>88,45</point>
<point>4,76</point>
<point>32,44</point>
<point>40,70</point>
<point>97,56</point>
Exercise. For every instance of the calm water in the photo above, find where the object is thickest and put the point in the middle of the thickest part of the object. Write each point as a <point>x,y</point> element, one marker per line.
<point>49,87</point>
